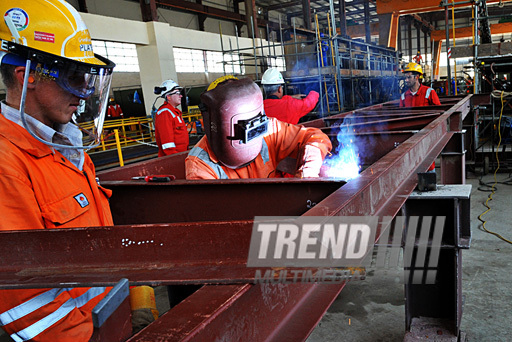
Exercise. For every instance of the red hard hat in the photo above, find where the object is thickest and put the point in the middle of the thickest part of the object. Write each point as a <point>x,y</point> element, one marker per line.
<point>222,108</point>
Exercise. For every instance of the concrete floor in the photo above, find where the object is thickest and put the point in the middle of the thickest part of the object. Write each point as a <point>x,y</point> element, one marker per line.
<point>372,310</point>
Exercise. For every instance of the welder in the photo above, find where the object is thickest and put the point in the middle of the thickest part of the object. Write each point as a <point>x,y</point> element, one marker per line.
<point>242,142</point>
<point>46,180</point>
<point>285,107</point>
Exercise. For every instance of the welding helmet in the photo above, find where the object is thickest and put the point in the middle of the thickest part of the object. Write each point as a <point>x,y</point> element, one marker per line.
<point>413,67</point>
<point>50,39</point>
<point>167,87</point>
<point>234,121</point>
<point>272,76</point>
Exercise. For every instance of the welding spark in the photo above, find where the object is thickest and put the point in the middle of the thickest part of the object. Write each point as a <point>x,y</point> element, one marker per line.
<point>344,162</point>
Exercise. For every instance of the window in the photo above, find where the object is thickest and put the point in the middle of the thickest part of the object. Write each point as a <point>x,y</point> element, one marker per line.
<point>276,63</point>
<point>124,55</point>
<point>189,60</point>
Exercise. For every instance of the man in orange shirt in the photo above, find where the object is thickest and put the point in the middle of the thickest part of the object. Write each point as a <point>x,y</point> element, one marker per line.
<point>241,142</point>
<point>46,180</point>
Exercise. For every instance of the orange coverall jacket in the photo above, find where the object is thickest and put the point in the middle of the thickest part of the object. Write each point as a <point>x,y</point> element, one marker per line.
<point>170,131</point>
<point>289,109</point>
<point>41,189</point>
<point>282,140</point>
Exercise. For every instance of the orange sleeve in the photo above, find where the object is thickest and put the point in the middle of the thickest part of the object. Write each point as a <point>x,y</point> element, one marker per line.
<point>289,140</point>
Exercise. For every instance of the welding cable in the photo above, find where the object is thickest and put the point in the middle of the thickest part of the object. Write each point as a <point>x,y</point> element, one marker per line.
<point>489,198</point>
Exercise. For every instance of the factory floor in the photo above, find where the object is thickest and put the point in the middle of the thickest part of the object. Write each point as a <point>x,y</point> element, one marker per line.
<point>373,309</point>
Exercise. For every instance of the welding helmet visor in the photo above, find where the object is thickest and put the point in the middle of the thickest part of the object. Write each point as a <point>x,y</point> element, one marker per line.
<point>235,122</point>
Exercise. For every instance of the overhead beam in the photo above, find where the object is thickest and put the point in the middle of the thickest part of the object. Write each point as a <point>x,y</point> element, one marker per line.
<point>409,7</point>
<point>193,7</point>
<point>467,31</point>
<point>283,5</point>
<point>148,10</point>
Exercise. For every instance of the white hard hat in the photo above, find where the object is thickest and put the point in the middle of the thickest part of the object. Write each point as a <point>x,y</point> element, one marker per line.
<point>272,76</point>
<point>168,86</point>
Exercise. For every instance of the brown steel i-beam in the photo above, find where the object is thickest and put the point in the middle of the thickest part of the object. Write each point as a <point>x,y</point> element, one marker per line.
<point>250,312</point>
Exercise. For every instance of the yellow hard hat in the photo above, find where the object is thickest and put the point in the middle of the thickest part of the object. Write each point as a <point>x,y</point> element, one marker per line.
<point>50,38</point>
<point>413,67</point>
<point>52,26</point>
<point>220,80</point>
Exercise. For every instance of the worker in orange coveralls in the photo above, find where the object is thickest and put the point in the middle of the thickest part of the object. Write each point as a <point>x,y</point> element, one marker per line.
<point>46,180</point>
<point>284,107</point>
<point>170,130</point>
<point>241,142</point>
<point>417,94</point>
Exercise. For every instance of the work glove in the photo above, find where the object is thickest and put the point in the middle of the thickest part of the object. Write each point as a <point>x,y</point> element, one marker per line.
<point>309,162</point>
<point>141,318</point>
<point>143,306</point>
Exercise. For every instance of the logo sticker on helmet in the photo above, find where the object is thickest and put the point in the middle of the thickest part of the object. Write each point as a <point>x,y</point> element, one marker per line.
<point>44,37</point>
<point>19,18</point>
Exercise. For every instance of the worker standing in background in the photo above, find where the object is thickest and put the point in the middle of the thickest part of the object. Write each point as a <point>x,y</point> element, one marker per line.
<point>170,129</point>
<point>241,142</point>
<point>114,110</point>
<point>284,107</point>
<point>417,94</point>
<point>47,181</point>
<point>418,59</point>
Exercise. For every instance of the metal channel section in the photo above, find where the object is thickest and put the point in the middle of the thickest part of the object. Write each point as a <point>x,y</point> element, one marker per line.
<point>199,231</point>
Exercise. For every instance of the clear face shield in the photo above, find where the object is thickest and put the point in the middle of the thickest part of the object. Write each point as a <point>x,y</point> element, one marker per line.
<point>89,84</point>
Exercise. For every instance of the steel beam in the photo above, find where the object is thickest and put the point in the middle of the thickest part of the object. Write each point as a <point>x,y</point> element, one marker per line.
<point>175,252</point>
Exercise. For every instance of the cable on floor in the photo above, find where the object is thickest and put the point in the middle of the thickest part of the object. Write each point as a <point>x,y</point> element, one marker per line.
<point>493,187</point>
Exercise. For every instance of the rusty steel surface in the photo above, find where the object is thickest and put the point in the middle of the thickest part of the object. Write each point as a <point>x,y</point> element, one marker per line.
<point>273,312</point>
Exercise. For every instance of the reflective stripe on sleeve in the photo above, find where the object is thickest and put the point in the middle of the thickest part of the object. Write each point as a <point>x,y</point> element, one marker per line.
<point>403,96</point>
<point>29,306</point>
<point>203,155</point>
<point>166,109</point>
<point>427,94</point>
<point>43,324</point>
<point>93,292</point>
<point>264,152</point>
<point>37,302</point>
<point>168,145</point>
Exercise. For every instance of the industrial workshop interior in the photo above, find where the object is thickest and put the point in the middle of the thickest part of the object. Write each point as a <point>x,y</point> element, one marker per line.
<point>430,178</point>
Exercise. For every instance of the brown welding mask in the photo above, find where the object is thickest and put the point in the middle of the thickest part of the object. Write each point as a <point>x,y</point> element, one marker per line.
<point>234,121</point>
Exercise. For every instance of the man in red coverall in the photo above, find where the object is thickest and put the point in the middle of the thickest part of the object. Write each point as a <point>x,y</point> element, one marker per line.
<point>417,94</point>
<point>284,107</point>
<point>114,110</point>
<point>170,129</point>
